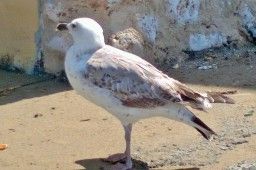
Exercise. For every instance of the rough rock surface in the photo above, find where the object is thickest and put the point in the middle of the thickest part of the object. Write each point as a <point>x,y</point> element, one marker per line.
<point>128,40</point>
<point>159,31</point>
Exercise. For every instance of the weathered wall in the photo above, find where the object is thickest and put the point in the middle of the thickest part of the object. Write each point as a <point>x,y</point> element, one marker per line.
<point>158,30</point>
<point>18,25</point>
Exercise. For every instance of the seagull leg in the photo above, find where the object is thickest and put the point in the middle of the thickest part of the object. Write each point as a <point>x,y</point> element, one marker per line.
<point>126,156</point>
<point>128,131</point>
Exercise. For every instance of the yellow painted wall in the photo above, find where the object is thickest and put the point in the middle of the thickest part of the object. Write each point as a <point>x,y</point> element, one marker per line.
<point>18,24</point>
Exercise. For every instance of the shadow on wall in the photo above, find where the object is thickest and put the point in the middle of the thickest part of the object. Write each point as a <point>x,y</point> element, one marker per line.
<point>15,86</point>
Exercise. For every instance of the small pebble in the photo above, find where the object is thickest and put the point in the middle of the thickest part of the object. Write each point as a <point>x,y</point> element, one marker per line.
<point>38,115</point>
<point>246,135</point>
<point>224,148</point>
<point>249,113</point>
<point>239,141</point>
<point>13,130</point>
<point>85,120</point>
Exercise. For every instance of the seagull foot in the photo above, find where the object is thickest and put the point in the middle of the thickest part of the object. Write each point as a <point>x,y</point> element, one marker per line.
<point>120,160</point>
<point>119,157</point>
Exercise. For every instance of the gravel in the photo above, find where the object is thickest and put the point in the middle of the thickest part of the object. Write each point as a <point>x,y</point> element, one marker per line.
<point>244,165</point>
<point>235,132</point>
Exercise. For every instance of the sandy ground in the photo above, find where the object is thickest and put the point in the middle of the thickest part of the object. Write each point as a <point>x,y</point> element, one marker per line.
<point>48,126</point>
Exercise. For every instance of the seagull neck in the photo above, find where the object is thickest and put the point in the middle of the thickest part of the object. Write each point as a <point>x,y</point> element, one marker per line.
<point>83,48</point>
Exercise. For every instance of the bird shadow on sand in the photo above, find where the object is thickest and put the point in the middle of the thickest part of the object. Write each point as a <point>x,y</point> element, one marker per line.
<point>99,164</point>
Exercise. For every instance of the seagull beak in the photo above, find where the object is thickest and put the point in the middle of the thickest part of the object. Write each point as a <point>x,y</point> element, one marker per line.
<point>62,27</point>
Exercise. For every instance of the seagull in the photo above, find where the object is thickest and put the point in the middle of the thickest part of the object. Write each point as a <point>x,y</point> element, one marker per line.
<point>127,86</point>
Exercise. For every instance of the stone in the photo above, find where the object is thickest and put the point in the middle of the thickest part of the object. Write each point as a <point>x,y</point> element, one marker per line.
<point>128,40</point>
<point>198,42</point>
<point>207,67</point>
<point>249,113</point>
<point>239,141</point>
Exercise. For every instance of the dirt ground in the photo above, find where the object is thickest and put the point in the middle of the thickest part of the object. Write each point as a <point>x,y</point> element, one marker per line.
<point>48,126</point>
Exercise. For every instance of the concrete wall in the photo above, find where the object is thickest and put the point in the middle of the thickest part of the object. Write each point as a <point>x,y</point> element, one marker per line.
<point>157,30</point>
<point>18,25</point>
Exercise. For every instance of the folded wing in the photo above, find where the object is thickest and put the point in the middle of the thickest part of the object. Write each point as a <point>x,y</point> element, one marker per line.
<point>137,83</point>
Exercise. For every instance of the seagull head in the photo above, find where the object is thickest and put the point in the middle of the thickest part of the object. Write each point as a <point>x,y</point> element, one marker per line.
<point>85,32</point>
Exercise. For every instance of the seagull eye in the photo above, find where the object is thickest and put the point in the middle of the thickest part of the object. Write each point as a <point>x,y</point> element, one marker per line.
<point>73,25</point>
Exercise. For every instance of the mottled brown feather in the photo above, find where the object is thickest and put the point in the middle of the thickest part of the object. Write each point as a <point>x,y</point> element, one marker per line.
<point>134,81</point>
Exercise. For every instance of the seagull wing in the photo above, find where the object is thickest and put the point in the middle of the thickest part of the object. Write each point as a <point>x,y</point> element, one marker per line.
<point>135,82</point>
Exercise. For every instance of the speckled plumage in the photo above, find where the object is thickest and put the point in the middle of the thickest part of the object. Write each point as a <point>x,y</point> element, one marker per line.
<point>126,85</point>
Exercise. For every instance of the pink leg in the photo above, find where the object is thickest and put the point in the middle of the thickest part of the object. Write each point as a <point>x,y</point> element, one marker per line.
<point>128,132</point>
<point>126,156</point>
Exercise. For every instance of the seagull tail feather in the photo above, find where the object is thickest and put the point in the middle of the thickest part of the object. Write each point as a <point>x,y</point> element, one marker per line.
<point>221,97</point>
<point>186,116</point>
